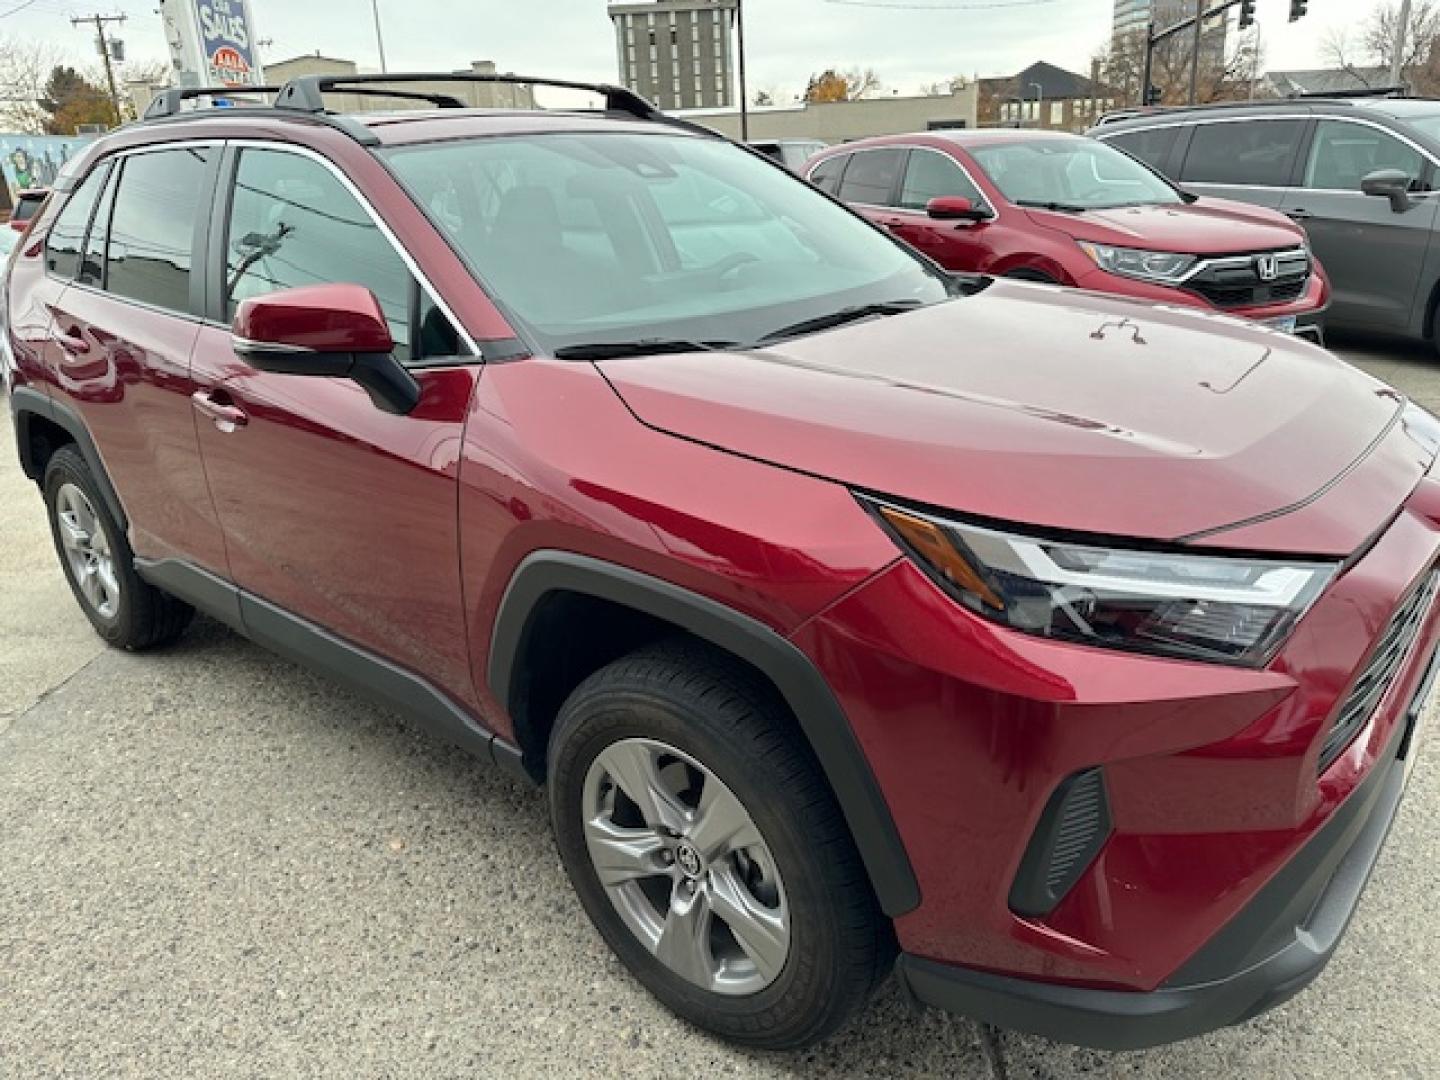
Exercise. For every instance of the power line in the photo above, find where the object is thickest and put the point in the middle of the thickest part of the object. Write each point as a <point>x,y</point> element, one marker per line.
<point>18,8</point>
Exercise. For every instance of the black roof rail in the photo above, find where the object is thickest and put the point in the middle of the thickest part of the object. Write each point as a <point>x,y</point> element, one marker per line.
<point>306,93</point>
<point>167,102</point>
<point>1366,92</point>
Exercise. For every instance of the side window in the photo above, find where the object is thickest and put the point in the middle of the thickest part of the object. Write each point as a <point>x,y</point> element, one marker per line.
<point>1248,153</point>
<point>92,264</point>
<point>292,223</point>
<point>871,177</point>
<point>930,175</point>
<point>1343,154</point>
<point>826,175</point>
<point>67,235</point>
<point>152,226</point>
<point>1152,147</point>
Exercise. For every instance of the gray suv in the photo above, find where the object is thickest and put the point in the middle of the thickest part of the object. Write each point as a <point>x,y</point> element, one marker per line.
<point>1358,173</point>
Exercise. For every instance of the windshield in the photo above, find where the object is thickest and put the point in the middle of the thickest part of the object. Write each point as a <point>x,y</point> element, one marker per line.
<point>614,236</point>
<point>1077,174</point>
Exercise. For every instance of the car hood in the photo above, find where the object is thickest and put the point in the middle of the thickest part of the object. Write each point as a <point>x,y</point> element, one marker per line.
<point>1206,227</point>
<point>1063,410</point>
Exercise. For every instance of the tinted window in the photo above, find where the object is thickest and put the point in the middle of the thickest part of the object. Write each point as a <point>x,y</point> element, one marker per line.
<point>92,266</point>
<point>152,227</point>
<point>1344,154</point>
<point>871,177</point>
<point>1252,153</point>
<point>1152,147</point>
<point>27,207</point>
<point>62,248</point>
<point>826,175</point>
<point>292,223</point>
<point>930,175</point>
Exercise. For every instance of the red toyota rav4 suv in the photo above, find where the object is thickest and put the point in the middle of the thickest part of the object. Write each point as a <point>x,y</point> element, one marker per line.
<point>1071,647</point>
<point>1062,209</point>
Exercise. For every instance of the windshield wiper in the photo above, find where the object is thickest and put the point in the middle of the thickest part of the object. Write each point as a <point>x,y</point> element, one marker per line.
<point>840,318</point>
<point>614,350</point>
<point>1058,207</point>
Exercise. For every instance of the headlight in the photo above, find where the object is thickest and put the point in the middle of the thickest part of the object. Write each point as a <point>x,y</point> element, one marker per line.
<point>1161,266</point>
<point>1196,607</point>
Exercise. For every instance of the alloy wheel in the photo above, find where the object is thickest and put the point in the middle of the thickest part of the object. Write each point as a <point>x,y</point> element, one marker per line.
<point>685,867</point>
<point>87,551</point>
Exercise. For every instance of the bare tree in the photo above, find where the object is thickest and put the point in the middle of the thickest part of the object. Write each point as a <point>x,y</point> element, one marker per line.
<point>1226,74</point>
<point>1380,34</point>
<point>25,66</point>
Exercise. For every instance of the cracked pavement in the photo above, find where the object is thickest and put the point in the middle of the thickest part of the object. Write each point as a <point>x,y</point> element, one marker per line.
<point>213,863</point>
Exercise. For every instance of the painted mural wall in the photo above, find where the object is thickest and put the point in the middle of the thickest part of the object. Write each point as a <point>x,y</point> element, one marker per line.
<point>28,161</point>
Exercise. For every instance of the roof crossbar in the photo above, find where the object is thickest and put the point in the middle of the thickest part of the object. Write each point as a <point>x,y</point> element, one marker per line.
<point>168,102</point>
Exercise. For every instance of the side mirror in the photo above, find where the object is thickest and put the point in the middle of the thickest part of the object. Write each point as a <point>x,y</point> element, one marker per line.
<point>1390,184</point>
<point>957,208</point>
<point>337,331</point>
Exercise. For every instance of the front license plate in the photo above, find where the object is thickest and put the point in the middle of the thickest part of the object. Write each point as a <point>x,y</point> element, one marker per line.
<point>1285,324</point>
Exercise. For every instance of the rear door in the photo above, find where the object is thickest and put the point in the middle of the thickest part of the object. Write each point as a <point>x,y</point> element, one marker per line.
<point>124,328</point>
<point>1373,253</point>
<point>955,245</point>
<point>332,509</point>
<point>1247,158</point>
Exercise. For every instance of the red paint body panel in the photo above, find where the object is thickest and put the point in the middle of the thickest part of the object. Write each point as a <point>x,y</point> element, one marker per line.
<point>1022,239</point>
<point>1172,426</point>
<point>322,318</point>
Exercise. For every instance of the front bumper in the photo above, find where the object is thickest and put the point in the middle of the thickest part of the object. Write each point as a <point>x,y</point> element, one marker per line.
<point>1270,951</point>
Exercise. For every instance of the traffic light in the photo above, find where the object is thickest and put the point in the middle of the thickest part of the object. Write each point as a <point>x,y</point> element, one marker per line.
<point>1247,14</point>
<point>1297,9</point>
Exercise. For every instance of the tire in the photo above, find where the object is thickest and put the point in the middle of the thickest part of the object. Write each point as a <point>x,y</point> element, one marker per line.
<point>97,561</point>
<point>698,719</point>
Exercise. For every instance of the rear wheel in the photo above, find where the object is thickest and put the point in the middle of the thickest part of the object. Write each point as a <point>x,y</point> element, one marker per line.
<point>709,852</point>
<point>127,612</point>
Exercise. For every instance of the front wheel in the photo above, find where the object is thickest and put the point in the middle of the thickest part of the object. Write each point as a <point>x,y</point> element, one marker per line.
<point>708,851</point>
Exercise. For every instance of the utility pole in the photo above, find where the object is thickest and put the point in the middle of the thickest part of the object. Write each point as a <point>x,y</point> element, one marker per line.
<point>104,43</point>
<point>744,94</point>
<point>1402,35</point>
<point>1195,54</point>
<point>379,37</point>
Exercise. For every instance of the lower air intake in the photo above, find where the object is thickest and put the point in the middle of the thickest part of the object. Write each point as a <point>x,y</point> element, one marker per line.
<point>1072,830</point>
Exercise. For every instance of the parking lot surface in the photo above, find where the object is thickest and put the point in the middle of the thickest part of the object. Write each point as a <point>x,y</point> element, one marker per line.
<point>213,863</point>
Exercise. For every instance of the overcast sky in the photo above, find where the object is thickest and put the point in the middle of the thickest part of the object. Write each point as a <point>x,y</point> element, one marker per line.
<point>787,39</point>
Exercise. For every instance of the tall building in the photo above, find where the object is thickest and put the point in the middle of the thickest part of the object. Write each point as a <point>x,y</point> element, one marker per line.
<point>677,53</point>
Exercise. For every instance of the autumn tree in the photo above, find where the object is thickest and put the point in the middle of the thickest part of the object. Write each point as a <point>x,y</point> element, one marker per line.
<point>70,100</point>
<point>833,85</point>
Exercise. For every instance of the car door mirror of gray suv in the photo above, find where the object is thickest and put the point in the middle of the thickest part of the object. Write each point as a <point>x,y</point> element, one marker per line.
<point>1390,184</point>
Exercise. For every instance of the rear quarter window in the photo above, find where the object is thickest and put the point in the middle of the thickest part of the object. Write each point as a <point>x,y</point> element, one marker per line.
<point>826,175</point>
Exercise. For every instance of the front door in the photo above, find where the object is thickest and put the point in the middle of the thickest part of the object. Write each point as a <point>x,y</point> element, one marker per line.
<point>334,510</point>
<point>1373,253</point>
<point>955,245</point>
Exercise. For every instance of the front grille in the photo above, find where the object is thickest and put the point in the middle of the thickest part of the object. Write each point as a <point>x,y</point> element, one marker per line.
<point>1380,671</point>
<point>1236,283</point>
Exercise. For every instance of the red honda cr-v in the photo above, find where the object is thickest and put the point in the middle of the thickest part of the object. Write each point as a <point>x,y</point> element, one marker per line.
<point>1066,210</point>
<point>1070,647</point>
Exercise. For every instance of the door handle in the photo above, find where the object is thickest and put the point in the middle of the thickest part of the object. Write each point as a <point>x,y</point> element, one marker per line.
<point>1299,215</point>
<point>226,416</point>
<point>72,341</point>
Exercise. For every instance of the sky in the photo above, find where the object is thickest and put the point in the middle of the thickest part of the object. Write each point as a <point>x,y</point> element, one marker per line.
<point>908,46</point>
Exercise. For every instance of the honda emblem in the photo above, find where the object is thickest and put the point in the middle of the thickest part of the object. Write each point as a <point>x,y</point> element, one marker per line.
<point>1267,267</point>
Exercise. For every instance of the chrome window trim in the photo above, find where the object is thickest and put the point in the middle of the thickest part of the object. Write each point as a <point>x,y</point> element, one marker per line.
<point>345,182</point>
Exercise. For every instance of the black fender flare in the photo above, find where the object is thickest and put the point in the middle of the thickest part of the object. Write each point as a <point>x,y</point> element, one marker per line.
<point>27,402</point>
<point>820,716</point>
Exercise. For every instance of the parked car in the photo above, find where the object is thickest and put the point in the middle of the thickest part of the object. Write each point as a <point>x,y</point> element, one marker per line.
<point>1358,173</point>
<point>1065,210</point>
<point>27,205</point>
<point>792,153</point>
<point>1071,647</point>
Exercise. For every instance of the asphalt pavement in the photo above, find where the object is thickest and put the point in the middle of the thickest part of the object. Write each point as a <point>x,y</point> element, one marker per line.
<point>215,864</point>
